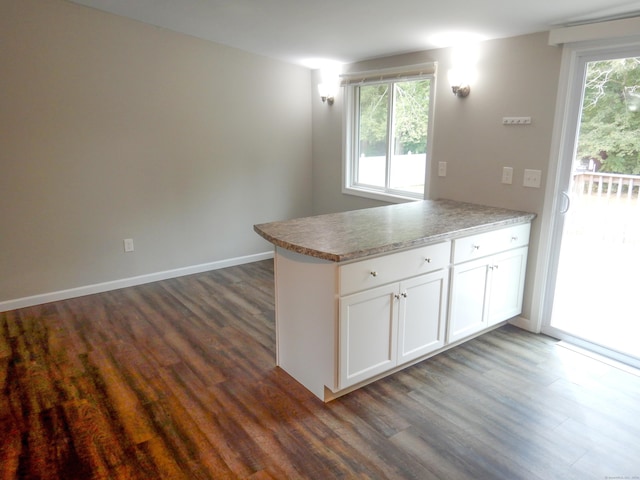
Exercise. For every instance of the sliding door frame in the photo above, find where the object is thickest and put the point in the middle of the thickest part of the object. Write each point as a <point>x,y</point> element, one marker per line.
<point>566,127</point>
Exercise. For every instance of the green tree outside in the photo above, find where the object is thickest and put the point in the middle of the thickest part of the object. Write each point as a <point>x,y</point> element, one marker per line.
<point>610,123</point>
<point>410,108</point>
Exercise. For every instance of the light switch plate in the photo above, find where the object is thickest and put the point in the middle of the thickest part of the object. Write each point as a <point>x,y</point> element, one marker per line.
<point>442,169</point>
<point>532,178</point>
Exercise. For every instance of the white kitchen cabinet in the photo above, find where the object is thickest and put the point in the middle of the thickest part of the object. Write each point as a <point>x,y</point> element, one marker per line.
<point>489,289</point>
<point>373,272</point>
<point>468,299</point>
<point>422,315</point>
<point>368,325</point>
<point>390,325</point>
<point>359,296</point>
<point>506,285</point>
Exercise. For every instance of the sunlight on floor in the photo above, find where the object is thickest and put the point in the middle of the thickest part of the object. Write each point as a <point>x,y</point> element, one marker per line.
<point>594,356</point>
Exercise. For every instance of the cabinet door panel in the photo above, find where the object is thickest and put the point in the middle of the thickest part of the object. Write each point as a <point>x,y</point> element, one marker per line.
<point>368,334</point>
<point>468,292</point>
<point>422,315</point>
<point>507,285</point>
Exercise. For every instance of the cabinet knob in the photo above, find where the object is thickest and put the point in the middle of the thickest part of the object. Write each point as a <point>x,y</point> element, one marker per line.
<point>374,273</point>
<point>396,296</point>
<point>476,247</point>
<point>514,238</point>
<point>428,260</point>
<point>404,294</point>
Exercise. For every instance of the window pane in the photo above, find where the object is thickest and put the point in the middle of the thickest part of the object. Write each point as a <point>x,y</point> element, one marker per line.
<point>372,146</point>
<point>410,124</point>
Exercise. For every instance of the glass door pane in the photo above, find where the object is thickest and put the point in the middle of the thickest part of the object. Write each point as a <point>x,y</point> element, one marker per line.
<point>598,276</point>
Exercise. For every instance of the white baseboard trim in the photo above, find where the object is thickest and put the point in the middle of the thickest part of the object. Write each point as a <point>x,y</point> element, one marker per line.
<point>129,282</point>
<point>523,323</point>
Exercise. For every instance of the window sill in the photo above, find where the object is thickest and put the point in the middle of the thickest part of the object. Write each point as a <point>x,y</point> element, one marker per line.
<point>376,195</point>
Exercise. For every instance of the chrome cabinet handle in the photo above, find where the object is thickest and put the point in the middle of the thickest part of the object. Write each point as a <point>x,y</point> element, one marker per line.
<point>374,273</point>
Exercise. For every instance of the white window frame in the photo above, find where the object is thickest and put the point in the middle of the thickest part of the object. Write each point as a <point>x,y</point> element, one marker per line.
<point>350,126</point>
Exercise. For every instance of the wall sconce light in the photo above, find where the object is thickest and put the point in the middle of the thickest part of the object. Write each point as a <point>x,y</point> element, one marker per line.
<point>459,85</point>
<point>463,72</point>
<point>328,85</point>
<point>327,92</point>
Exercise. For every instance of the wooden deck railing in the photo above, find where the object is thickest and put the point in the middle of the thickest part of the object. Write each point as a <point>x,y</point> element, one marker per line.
<point>607,185</point>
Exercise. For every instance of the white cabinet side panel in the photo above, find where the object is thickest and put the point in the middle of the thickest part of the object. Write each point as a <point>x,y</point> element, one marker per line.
<point>306,317</point>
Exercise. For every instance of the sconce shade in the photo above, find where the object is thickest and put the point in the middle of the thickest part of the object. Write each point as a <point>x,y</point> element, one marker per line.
<point>327,92</point>
<point>463,73</point>
<point>455,77</point>
<point>459,83</point>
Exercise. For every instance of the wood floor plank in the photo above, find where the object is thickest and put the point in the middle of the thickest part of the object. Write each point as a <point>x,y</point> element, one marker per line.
<point>176,380</point>
<point>442,422</point>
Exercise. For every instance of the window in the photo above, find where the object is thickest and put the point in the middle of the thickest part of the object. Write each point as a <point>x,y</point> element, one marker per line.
<point>388,124</point>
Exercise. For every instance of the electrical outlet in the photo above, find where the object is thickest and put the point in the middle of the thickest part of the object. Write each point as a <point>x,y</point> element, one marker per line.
<point>532,178</point>
<point>507,175</point>
<point>442,169</point>
<point>128,245</point>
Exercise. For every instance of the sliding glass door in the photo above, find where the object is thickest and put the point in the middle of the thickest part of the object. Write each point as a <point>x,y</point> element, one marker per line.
<point>594,292</point>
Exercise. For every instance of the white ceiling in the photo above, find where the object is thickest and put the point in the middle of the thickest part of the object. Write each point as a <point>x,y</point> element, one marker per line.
<point>303,31</point>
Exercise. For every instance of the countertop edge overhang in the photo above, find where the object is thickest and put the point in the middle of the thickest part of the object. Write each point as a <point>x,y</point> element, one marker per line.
<point>340,237</point>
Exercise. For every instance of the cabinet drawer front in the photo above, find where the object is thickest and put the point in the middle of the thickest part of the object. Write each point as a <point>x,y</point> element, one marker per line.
<point>488,243</point>
<point>373,272</point>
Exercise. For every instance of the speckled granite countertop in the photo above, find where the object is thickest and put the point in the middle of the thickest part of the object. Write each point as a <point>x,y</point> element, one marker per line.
<point>356,234</point>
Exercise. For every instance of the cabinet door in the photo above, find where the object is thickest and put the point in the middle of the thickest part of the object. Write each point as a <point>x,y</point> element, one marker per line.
<point>422,315</point>
<point>368,334</point>
<point>507,272</point>
<point>468,293</point>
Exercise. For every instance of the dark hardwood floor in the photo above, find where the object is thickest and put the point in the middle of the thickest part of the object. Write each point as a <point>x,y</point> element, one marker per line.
<point>176,380</point>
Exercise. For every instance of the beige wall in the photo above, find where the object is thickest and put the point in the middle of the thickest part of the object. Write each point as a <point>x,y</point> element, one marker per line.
<point>516,77</point>
<point>113,129</point>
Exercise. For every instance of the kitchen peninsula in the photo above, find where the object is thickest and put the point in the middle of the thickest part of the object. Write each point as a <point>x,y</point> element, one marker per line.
<point>362,294</point>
